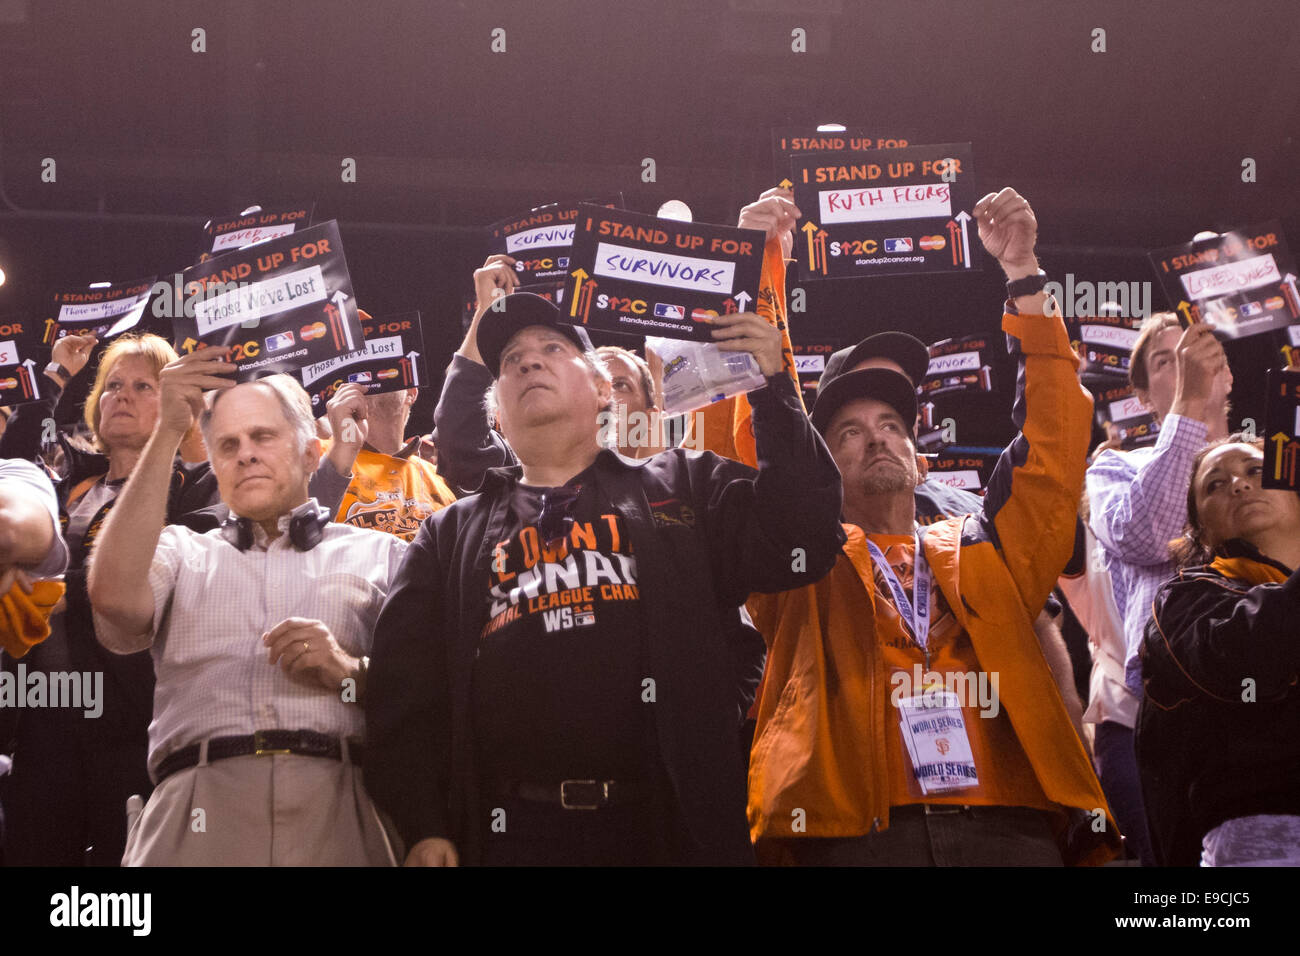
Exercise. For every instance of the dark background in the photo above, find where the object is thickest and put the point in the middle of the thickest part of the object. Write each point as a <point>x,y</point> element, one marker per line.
<point>1119,152</point>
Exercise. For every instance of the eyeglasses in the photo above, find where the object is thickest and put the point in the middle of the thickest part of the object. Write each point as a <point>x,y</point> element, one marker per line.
<point>555,519</point>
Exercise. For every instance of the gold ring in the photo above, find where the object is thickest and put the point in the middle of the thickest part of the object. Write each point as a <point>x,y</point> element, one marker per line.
<point>306,646</point>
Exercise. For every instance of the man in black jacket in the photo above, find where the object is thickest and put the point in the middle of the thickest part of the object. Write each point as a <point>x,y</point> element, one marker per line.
<point>552,679</point>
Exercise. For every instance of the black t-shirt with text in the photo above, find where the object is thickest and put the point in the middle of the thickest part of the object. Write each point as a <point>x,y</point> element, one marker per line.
<point>558,674</point>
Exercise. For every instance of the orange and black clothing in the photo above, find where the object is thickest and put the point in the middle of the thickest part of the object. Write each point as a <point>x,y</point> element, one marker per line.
<point>822,741</point>
<point>1216,734</point>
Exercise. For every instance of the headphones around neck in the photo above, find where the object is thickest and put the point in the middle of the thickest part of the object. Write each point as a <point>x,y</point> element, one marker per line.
<point>306,527</point>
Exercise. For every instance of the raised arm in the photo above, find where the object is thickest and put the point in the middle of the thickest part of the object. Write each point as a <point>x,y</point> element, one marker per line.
<point>118,582</point>
<point>467,444</point>
<point>1032,498</point>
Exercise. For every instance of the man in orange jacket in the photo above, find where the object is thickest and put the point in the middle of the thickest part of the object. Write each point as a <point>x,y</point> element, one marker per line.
<point>908,715</point>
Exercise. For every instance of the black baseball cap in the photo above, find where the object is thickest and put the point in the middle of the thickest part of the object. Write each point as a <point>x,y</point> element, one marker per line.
<point>515,312</point>
<point>882,384</point>
<point>908,351</point>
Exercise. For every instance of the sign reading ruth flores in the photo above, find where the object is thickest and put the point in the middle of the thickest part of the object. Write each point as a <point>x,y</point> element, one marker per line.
<point>281,305</point>
<point>641,275</point>
<point>885,212</point>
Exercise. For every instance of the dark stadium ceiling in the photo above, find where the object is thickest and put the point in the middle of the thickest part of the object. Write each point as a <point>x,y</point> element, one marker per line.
<point>1137,146</point>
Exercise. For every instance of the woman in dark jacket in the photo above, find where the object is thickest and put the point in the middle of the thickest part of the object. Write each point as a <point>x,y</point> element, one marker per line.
<point>1218,735</point>
<point>74,767</point>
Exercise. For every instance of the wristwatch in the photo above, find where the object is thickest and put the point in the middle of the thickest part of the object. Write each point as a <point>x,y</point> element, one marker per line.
<point>1029,285</point>
<point>54,368</point>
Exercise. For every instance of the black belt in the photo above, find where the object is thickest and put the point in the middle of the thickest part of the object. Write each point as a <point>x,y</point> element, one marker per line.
<point>575,794</point>
<point>264,743</point>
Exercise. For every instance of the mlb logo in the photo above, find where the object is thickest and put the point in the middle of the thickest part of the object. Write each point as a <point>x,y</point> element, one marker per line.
<point>360,378</point>
<point>898,245</point>
<point>584,618</point>
<point>665,311</point>
<point>1251,308</point>
<point>562,262</point>
<point>279,341</point>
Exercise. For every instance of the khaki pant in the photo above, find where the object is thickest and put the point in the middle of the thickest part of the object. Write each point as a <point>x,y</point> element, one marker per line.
<point>274,810</point>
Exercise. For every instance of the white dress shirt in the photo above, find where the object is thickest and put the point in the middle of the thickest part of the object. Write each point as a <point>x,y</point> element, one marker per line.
<point>213,603</point>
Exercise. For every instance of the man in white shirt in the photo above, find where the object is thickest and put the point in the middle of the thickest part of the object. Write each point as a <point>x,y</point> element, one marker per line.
<point>259,631</point>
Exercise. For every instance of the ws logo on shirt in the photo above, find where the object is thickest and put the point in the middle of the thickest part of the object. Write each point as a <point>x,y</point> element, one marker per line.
<point>568,617</point>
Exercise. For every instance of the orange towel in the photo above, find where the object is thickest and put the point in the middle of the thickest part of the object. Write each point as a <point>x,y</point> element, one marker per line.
<point>25,618</point>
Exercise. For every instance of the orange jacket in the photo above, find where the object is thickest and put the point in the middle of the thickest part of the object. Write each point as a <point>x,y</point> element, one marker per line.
<point>820,742</point>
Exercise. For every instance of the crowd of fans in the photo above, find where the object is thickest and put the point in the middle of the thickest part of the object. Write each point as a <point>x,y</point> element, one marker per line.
<point>318,647</point>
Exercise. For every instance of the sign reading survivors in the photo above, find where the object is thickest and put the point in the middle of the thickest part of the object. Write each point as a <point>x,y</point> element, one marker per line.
<point>1104,343</point>
<point>1119,407</point>
<point>281,305</point>
<point>104,310</point>
<point>885,212</point>
<point>1243,282</point>
<point>539,242</point>
<point>393,359</point>
<point>1282,431</point>
<point>792,140</point>
<point>251,227</point>
<point>641,275</point>
<point>957,365</point>
<point>20,367</point>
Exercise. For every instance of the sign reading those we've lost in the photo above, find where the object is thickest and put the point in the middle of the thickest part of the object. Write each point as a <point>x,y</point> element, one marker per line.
<point>281,305</point>
<point>1243,282</point>
<point>21,380</point>
<point>393,359</point>
<point>790,140</point>
<point>103,309</point>
<point>642,275</point>
<point>249,228</point>
<point>539,241</point>
<point>885,212</point>
<point>1282,431</point>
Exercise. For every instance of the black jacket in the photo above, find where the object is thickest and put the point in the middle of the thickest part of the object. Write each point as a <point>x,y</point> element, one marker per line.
<point>744,534</point>
<point>128,679</point>
<point>1218,733</point>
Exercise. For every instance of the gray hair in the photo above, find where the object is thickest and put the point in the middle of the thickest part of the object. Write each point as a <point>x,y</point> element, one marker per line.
<point>295,405</point>
<point>492,405</point>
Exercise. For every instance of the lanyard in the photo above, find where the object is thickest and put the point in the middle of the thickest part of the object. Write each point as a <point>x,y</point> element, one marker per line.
<point>915,613</point>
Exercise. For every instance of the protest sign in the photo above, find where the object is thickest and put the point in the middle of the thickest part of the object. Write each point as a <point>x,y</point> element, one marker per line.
<point>1282,431</point>
<point>885,212</point>
<point>1243,282</point>
<point>539,242</point>
<point>1119,406</point>
<point>960,364</point>
<point>393,359</point>
<point>21,357</point>
<point>967,468</point>
<point>641,275</point>
<point>1104,343</point>
<point>250,227</point>
<point>788,141</point>
<point>281,305</point>
<point>102,309</point>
